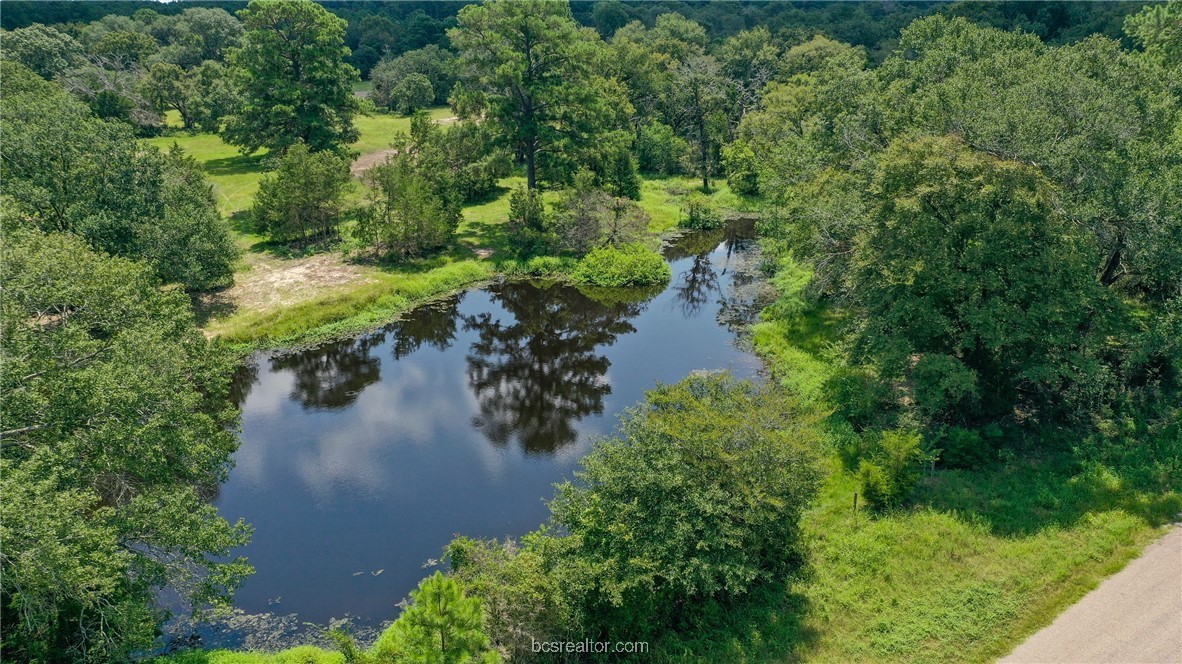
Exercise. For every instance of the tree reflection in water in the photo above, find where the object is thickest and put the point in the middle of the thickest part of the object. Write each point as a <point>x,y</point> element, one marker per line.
<point>331,376</point>
<point>433,325</point>
<point>538,373</point>
<point>694,286</point>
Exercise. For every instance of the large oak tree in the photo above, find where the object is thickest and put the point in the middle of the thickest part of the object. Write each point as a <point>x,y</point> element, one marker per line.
<point>295,83</point>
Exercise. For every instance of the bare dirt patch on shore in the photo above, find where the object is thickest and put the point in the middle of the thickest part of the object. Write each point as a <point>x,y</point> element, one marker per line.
<point>272,282</point>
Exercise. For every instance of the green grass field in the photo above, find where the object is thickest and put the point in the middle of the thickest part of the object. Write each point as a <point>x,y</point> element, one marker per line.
<point>235,176</point>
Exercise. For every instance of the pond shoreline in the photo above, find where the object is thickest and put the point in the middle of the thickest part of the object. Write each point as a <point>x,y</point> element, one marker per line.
<point>370,319</point>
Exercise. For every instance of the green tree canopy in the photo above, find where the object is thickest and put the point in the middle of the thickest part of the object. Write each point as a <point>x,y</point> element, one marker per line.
<point>68,171</point>
<point>727,474</point>
<point>116,422</point>
<point>43,49</point>
<point>295,84</point>
<point>414,200</point>
<point>970,283</point>
<point>303,197</point>
<point>532,67</point>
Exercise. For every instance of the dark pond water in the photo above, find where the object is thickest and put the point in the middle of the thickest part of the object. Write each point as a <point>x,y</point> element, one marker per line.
<point>361,459</point>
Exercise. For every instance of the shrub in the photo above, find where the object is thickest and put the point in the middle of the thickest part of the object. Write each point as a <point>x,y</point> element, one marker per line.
<point>528,222</point>
<point>964,448</point>
<point>889,477</point>
<point>727,469</point>
<point>741,173</point>
<point>303,197</point>
<point>586,217</point>
<point>414,204</point>
<point>524,600</point>
<point>440,625</point>
<point>700,213</point>
<point>411,94</point>
<point>626,265</point>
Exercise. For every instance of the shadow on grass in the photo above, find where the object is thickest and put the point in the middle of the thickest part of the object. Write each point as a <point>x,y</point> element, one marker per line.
<point>236,165</point>
<point>764,626</point>
<point>211,304</point>
<point>406,265</point>
<point>242,223</point>
<point>486,235</point>
<point>1042,489</point>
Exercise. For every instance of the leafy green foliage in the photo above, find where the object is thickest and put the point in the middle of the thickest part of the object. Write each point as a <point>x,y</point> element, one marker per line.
<point>440,625</point>
<point>434,63</point>
<point>303,197</point>
<point>523,599</point>
<point>624,266</point>
<point>125,47</point>
<point>530,67</point>
<point>414,92</point>
<point>414,200</point>
<point>659,150</point>
<point>117,420</point>
<point>43,49</point>
<point>700,213</point>
<point>295,83</point>
<point>700,92</point>
<point>528,222</point>
<point>892,472</point>
<point>728,473</point>
<point>67,171</point>
<point>969,283</point>
<point>199,34</point>
<point>1158,30</point>
<point>742,172</point>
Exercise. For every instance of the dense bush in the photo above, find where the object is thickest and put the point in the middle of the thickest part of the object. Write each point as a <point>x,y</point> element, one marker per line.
<point>116,411</point>
<point>586,217</point>
<point>414,203</point>
<point>626,265</point>
<point>303,197</point>
<point>659,149</point>
<point>412,94</point>
<point>437,65</point>
<point>893,470</point>
<point>742,171</point>
<point>65,170</point>
<point>528,222</point>
<point>728,471</point>
<point>700,213</point>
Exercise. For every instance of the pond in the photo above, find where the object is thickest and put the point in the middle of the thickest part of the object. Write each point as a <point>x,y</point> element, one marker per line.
<point>362,458</point>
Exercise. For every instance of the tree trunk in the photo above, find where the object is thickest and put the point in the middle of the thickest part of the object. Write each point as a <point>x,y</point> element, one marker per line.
<point>1109,275</point>
<point>531,166</point>
<point>705,155</point>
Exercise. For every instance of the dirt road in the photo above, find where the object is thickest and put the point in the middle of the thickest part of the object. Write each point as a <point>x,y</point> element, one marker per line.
<point>1133,617</point>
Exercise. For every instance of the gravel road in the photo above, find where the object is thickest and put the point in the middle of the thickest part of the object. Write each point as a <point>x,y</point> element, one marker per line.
<point>1133,617</point>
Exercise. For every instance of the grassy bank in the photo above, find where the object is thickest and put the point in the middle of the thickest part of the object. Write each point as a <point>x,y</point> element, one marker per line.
<point>976,562</point>
<point>378,299</point>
